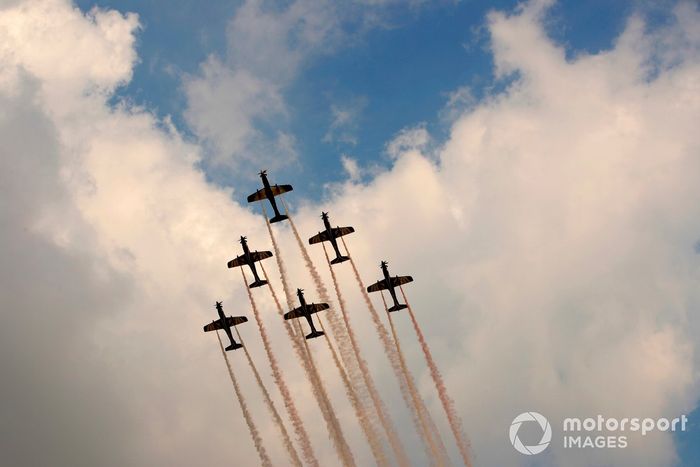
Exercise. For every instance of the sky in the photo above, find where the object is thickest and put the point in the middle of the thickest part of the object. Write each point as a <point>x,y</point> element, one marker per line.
<point>534,166</point>
<point>349,99</point>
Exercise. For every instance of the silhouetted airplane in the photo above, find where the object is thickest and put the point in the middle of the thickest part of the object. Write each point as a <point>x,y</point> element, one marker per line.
<point>250,259</point>
<point>225,323</point>
<point>389,283</point>
<point>330,235</point>
<point>269,192</point>
<point>305,311</point>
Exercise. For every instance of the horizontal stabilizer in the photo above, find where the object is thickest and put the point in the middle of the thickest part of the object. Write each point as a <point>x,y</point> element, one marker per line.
<point>314,334</point>
<point>278,218</point>
<point>234,346</point>
<point>398,307</point>
<point>258,283</point>
<point>340,259</point>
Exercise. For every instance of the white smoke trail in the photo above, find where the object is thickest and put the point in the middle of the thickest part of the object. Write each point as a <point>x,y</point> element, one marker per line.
<point>346,354</point>
<point>286,440</point>
<point>447,403</point>
<point>264,458</point>
<point>437,447</point>
<point>391,353</point>
<point>303,354</point>
<point>347,454</point>
<point>280,264</point>
<point>368,430</point>
<point>380,409</point>
<point>297,423</point>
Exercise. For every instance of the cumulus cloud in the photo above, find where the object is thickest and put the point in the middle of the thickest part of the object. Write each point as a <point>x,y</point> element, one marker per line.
<point>231,97</point>
<point>344,122</point>
<point>409,139</point>
<point>266,46</point>
<point>223,107</point>
<point>551,239</point>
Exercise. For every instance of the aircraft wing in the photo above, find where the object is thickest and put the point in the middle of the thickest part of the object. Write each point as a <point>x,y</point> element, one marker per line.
<point>316,307</point>
<point>377,286</point>
<point>230,320</point>
<point>260,255</point>
<point>337,232</point>
<point>276,191</point>
<point>279,189</point>
<point>340,231</point>
<point>295,313</point>
<point>400,280</point>
<point>312,308</point>
<point>257,196</point>
<point>319,237</point>
<point>238,261</point>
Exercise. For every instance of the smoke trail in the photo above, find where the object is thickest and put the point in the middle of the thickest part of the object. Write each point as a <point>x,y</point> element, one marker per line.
<point>368,430</point>
<point>395,361</point>
<point>345,455</point>
<point>286,440</point>
<point>377,401</point>
<point>436,444</point>
<point>304,355</point>
<point>280,263</point>
<point>264,459</point>
<point>345,354</point>
<point>338,329</point>
<point>297,423</point>
<point>447,403</point>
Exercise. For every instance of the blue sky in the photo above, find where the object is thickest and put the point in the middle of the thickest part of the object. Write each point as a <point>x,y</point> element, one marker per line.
<point>396,76</point>
<point>392,77</point>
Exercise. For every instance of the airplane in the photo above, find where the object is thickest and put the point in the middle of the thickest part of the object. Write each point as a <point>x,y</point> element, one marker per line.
<point>389,283</point>
<point>269,192</point>
<point>305,311</point>
<point>250,258</point>
<point>330,235</point>
<point>225,323</point>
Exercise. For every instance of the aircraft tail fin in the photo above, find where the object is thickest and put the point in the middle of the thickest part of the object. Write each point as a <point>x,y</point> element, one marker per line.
<point>315,334</point>
<point>234,346</point>
<point>258,283</point>
<point>398,307</point>
<point>278,218</point>
<point>340,259</point>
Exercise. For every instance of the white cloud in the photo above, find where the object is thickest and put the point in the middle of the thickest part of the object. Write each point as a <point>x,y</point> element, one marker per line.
<point>551,239</point>
<point>344,121</point>
<point>266,47</point>
<point>223,107</point>
<point>458,102</point>
<point>268,43</point>
<point>414,139</point>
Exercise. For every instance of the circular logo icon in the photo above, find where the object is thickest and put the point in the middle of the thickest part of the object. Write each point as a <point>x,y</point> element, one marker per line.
<point>546,433</point>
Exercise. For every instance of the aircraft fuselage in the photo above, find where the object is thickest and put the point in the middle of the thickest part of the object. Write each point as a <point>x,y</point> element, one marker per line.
<point>249,259</point>
<point>268,193</point>
<point>389,286</point>
<point>331,237</point>
<point>305,311</point>
<point>225,326</point>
